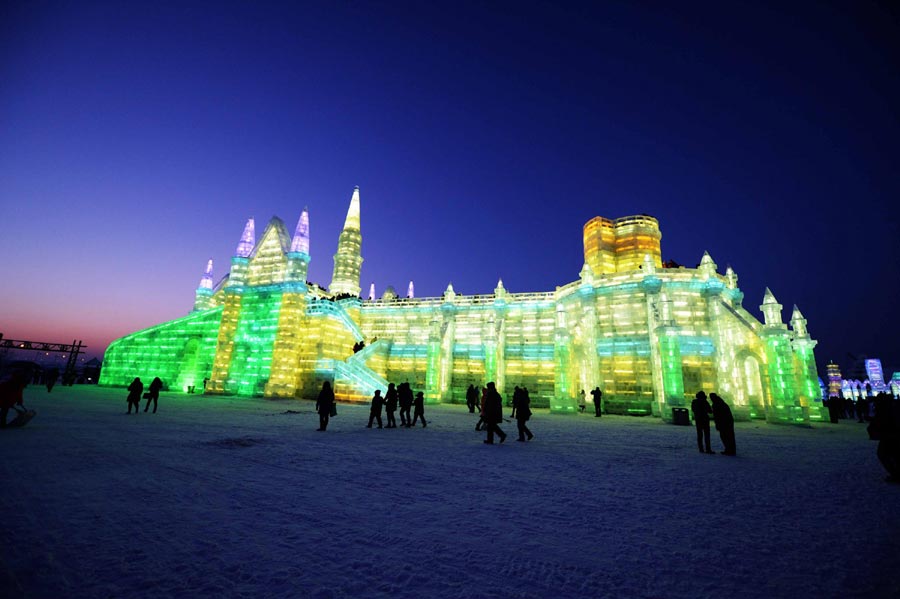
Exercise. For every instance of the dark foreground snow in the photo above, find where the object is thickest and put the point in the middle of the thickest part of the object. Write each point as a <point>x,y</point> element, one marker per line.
<point>238,497</point>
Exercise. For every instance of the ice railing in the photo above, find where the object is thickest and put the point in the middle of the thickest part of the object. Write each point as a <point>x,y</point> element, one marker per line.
<point>672,274</point>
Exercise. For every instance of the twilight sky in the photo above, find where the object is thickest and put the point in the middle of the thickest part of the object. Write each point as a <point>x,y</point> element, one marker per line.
<point>135,141</point>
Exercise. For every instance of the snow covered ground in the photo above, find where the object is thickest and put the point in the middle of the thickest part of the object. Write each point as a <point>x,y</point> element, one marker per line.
<point>243,498</point>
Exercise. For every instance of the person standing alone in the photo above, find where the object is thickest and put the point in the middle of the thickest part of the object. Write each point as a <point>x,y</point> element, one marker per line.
<point>324,404</point>
<point>597,394</point>
<point>523,414</point>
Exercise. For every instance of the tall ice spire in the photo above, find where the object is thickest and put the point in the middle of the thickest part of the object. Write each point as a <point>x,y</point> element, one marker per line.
<point>248,240</point>
<point>300,243</point>
<point>348,259</point>
<point>411,290</point>
<point>352,220</point>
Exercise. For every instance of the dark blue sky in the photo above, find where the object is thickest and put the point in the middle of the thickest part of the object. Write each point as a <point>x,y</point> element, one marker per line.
<point>135,140</point>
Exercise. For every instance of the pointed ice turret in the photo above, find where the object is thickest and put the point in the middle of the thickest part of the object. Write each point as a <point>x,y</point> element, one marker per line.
<point>411,290</point>
<point>352,220</point>
<point>648,266</point>
<point>798,324</point>
<point>731,278</point>
<point>707,266</point>
<point>586,275</point>
<point>771,309</point>
<point>300,243</point>
<point>500,290</point>
<point>206,281</point>
<point>348,259</point>
<point>372,292</point>
<point>449,294</point>
<point>203,296</point>
<point>248,240</point>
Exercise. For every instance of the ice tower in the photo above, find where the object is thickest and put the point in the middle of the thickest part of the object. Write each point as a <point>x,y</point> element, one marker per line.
<point>348,259</point>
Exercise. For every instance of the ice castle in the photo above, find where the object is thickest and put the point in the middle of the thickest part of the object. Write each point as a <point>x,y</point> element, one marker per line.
<point>648,336</point>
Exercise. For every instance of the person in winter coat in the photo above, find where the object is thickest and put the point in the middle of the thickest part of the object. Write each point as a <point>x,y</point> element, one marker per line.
<point>375,411</point>
<point>135,389</point>
<point>701,409</point>
<point>324,405</point>
<point>522,408</point>
<point>405,395</point>
<point>481,425</point>
<point>153,395</point>
<point>492,409</point>
<point>885,428</point>
<point>471,398</point>
<point>11,390</point>
<point>597,394</point>
<point>419,411</point>
<point>724,423</point>
<point>390,405</point>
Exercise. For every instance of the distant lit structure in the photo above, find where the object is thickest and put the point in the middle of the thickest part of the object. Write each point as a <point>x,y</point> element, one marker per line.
<point>834,379</point>
<point>648,336</point>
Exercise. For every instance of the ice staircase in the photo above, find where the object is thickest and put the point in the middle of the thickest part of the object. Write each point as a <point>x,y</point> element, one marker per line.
<point>353,379</point>
<point>336,310</point>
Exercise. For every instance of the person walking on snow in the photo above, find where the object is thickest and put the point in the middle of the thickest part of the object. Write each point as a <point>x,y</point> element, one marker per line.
<point>153,394</point>
<point>522,408</point>
<point>135,389</point>
<point>375,411</point>
<point>492,408</point>
<point>419,411</point>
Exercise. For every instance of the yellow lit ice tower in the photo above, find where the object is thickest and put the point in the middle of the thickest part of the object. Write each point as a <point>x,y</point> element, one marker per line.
<point>648,336</point>
<point>348,259</point>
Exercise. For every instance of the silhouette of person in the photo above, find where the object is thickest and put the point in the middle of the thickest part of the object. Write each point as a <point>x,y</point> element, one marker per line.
<point>516,398</point>
<point>701,409</point>
<point>522,407</point>
<point>471,398</point>
<point>862,409</point>
<point>481,425</point>
<point>50,380</point>
<point>419,412</point>
<point>582,401</point>
<point>724,423</point>
<point>375,411</point>
<point>11,394</point>
<point>405,396</point>
<point>324,405</point>
<point>597,394</point>
<point>390,405</point>
<point>492,408</point>
<point>885,428</point>
<point>135,389</point>
<point>153,393</point>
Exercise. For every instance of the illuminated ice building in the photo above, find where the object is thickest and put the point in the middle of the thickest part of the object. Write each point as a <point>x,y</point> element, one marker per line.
<point>648,336</point>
